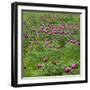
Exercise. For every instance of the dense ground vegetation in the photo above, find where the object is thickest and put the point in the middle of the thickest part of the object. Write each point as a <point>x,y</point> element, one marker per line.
<point>51,43</point>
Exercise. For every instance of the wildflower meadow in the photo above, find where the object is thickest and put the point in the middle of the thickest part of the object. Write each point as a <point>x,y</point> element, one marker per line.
<point>50,43</point>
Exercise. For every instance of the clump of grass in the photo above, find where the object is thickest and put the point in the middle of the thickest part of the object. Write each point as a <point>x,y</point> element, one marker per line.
<point>52,69</point>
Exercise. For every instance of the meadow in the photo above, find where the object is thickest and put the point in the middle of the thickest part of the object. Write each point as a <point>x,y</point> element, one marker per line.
<point>50,43</point>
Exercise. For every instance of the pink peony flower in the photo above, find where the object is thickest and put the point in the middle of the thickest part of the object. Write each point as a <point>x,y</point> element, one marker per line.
<point>40,65</point>
<point>77,43</point>
<point>72,41</point>
<point>74,66</point>
<point>51,33</point>
<point>44,30</point>
<point>62,33</point>
<point>61,27</point>
<point>46,42</point>
<point>30,46</point>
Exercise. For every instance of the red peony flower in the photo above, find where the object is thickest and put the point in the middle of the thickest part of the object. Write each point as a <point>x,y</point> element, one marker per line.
<point>67,70</point>
<point>45,59</point>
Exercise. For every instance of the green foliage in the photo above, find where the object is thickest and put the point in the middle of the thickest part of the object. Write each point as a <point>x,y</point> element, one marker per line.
<point>51,69</point>
<point>67,54</point>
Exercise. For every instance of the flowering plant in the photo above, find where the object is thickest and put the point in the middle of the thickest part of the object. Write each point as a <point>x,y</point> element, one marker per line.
<point>51,44</point>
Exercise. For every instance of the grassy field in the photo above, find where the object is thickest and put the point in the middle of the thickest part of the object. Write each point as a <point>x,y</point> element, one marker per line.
<point>51,44</point>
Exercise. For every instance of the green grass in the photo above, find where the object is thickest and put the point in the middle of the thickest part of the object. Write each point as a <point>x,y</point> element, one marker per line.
<point>65,56</point>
